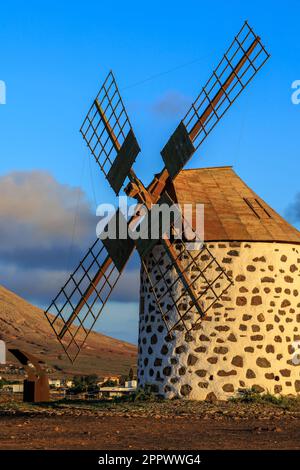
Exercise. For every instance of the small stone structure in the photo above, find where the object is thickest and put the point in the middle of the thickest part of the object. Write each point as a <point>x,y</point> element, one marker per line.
<point>2,352</point>
<point>248,337</point>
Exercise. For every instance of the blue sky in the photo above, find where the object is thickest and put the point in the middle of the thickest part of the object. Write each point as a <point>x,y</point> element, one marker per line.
<point>55,55</point>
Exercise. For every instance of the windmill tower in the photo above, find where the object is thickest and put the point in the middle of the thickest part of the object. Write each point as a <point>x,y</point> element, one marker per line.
<point>211,319</point>
<point>249,333</point>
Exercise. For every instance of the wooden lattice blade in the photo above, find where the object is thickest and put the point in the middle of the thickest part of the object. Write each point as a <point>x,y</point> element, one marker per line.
<point>75,310</point>
<point>108,134</point>
<point>241,62</point>
<point>86,295</point>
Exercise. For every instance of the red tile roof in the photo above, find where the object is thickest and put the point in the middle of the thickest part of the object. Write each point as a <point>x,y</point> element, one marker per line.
<point>232,210</point>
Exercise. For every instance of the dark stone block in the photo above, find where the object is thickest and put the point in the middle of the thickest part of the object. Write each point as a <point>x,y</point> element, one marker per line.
<point>232,338</point>
<point>293,268</point>
<point>246,317</point>
<point>164,350</point>
<point>185,390</point>
<point>203,384</point>
<point>269,376</point>
<point>233,253</point>
<point>212,360</point>
<point>267,279</point>
<point>250,374</point>
<point>180,349</point>
<point>251,268</point>
<point>262,259</point>
<point>237,361</point>
<point>223,373</point>
<point>167,371</point>
<point>204,338</point>
<point>220,350</point>
<point>257,338</point>
<point>256,300</point>
<point>222,328</point>
<point>285,372</point>
<point>241,301</point>
<point>192,360</point>
<point>201,372</point>
<point>263,362</point>
<point>211,397</point>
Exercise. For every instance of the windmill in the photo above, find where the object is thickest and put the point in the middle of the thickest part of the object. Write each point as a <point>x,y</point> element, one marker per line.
<point>109,136</point>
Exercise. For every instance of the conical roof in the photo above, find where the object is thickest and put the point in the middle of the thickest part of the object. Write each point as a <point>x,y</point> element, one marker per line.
<point>232,210</point>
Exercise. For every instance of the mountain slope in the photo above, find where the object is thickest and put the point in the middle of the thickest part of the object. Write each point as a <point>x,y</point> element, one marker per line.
<point>25,326</point>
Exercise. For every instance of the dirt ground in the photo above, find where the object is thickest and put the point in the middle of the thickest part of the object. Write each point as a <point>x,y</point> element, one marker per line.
<point>149,426</point>
<point>146,433</point>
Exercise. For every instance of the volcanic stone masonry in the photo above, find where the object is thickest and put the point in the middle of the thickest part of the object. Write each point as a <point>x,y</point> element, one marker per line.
<point>246,339</point>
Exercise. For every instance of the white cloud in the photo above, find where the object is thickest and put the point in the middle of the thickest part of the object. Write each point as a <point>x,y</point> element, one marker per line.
<point>293,210</point>
<point>37,219</point>
<point>38,246</point>
<point>171,104</point>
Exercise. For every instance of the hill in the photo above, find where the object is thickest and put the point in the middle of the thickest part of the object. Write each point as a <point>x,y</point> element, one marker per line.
<point>25,326</point>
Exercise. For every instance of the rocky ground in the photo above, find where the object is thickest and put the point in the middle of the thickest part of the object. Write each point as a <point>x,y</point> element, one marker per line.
<point>150,425</point>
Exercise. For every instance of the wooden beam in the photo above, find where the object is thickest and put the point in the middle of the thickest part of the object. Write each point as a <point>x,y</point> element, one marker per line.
<point>210,108</point>
<point>183,275</point>
<point>88,292</point>
<point>108,126</point>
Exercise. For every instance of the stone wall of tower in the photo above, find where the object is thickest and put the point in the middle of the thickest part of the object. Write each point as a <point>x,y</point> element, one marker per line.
<point>246,339</point>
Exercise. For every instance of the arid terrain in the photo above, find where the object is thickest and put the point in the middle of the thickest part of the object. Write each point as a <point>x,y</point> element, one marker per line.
<point>150,425</point>
<point>24,326</point>
<point>144,422</point>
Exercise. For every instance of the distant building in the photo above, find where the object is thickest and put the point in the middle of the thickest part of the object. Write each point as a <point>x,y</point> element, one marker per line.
<point>15,388</point>
<point>55,383</point>
<point>109,378</point>
<point>131,383</point>
<point>113,392</point>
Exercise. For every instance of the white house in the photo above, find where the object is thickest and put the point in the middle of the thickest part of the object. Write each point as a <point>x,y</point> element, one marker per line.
<point>15,388</point>
<point>131,383</point>
<point>112,392</point>
<point>55,383</point>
